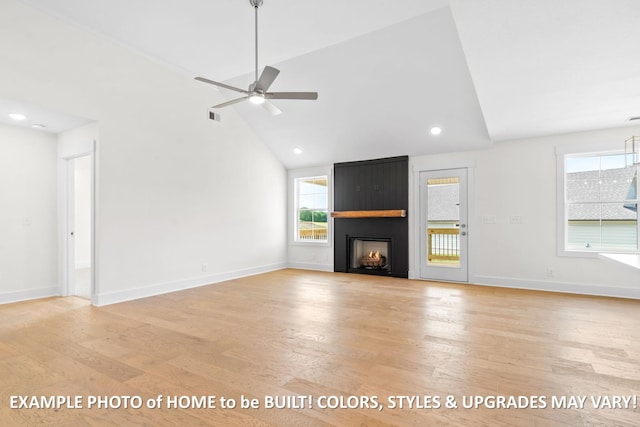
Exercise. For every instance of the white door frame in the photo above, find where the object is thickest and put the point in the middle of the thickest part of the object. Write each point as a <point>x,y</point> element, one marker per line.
<point>434,164</point>
<point>67,262</point>
<point>431,270</point>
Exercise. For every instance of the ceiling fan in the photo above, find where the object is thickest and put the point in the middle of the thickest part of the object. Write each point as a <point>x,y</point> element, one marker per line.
<point>257,91</point>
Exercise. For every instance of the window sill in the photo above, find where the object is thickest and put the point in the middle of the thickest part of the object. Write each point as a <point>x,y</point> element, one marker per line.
<point>632,260</point>
<point>316,244</point>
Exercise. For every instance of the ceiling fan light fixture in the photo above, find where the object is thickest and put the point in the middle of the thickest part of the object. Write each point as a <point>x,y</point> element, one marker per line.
<point>256,98</point>
<point>258,91</point>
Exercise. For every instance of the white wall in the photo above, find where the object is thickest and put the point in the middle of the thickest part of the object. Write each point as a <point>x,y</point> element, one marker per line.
<point>518,178</point>
<point>28,214</point>
<point>513,178</point>
<point>175,190</point>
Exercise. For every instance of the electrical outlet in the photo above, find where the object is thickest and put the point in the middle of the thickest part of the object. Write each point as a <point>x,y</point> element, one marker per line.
<point>489,219</point>
<point>515,219</point>
<point>549,272</point>
<point>205,267</point>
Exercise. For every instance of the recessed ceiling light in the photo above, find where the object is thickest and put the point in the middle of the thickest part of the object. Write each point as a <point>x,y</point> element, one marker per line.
<point>38,126</point>
<point>435,130</point>
<point>17,116</point>
<point>297,150</point>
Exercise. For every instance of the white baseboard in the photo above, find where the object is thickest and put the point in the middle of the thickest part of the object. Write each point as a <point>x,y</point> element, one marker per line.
<point>311,266</point>
<point>179,285</point>
<point>555,286</point>
<point>162,288</point>
<point>29,294</point>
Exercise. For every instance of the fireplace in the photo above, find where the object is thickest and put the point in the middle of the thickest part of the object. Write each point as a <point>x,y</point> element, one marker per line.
<point>371,199</point>
<point>356,238</point>
<point>373,255</point>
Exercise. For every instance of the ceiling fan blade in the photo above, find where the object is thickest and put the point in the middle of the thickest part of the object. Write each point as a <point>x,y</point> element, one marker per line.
<point>291,95</point>
<point>234,101</point>
<point>267,77</point>
<point>211,82</point>
<point>271,108</point>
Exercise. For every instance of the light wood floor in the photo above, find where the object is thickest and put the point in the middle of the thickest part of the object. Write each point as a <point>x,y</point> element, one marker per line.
<point>295,332</point>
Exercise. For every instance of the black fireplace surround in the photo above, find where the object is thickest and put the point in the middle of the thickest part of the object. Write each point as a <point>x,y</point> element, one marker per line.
<point>372,185</point>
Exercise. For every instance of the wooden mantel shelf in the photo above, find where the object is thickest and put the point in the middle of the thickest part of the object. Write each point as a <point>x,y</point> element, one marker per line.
<point>390,213</point>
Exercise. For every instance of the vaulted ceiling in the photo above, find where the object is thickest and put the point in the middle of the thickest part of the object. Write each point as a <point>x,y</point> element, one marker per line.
<point>387,71</point>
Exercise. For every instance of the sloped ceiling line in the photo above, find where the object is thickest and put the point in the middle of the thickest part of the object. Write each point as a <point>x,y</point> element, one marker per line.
<point>387,71</point>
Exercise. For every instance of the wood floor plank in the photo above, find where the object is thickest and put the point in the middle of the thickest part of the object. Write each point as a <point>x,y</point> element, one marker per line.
<point>290,334</point>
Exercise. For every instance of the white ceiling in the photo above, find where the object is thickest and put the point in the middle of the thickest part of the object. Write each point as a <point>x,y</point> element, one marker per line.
<point>552,66</point>
<point>388,70</point>
<point>51,121</point>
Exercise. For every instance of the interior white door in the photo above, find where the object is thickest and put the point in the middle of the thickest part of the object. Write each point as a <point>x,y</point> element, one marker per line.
<point>443,225</point>
<point>70,288</point>
<point>82,227</point>
<point>79,243</point>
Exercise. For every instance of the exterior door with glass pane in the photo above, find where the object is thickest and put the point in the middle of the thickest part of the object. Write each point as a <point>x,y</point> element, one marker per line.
<point>443,229</point>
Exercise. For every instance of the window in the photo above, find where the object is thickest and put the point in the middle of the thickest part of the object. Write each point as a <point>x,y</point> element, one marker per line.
<point>600,203</point>
<point>312,209</point>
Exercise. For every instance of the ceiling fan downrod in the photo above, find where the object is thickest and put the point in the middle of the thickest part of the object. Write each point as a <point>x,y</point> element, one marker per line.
<point>258,91</point>
<point>256,4</point>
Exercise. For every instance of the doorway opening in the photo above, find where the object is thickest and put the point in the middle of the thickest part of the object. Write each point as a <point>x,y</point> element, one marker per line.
<point>79,234</point>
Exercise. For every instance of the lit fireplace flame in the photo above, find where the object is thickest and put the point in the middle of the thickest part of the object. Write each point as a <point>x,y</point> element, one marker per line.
<point>374,255</point>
